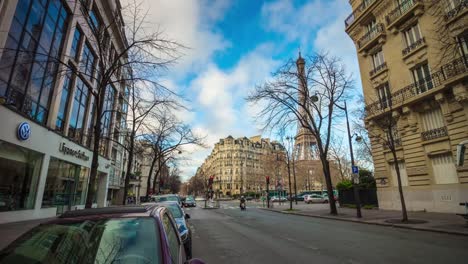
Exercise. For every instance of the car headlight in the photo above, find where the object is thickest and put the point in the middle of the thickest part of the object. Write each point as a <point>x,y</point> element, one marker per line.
<point>184,235</point>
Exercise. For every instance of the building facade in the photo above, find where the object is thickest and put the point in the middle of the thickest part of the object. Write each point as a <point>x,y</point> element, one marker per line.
<point>47,112</point>
<point>241,165</point>
<point>413,62</point>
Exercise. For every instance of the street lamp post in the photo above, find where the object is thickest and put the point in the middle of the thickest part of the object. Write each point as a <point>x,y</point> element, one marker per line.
<point>357,199</point>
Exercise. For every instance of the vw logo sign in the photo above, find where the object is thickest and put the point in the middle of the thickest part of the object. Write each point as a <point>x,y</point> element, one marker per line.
<point>24,131</point>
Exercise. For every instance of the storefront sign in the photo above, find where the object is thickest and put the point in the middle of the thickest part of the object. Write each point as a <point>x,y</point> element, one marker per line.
<point>24,131</point>
<point>76,153</point>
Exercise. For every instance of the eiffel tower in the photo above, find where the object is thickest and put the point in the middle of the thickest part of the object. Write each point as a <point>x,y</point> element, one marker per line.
<point>305,143</point>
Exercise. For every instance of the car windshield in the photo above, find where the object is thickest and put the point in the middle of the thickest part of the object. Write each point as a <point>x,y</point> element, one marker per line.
<point>126,240</point>
<point>175,210</point>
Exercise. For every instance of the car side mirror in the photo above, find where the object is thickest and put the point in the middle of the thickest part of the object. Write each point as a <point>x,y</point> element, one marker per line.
<point>194,261</point>
<point>187,216</point>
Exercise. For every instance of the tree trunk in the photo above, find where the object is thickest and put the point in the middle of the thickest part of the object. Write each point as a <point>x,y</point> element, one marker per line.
<point>400,188</point>
<point>295,182</point>
<point>331,195</point>
<point>129,166</point>
<point>148,182</point>
<point>95,158</point>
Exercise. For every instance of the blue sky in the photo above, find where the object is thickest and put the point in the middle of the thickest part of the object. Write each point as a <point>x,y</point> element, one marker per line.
<point>236,44</point>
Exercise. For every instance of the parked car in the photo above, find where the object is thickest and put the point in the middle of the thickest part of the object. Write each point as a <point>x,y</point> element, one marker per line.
<point>299,197</point>
<point>315,198</point>
<point>190,202</point>
<point>128,234</point>
<point>166,197</point>
<point>184,229</point>
<point>278,199</point>
<point>249,198</point>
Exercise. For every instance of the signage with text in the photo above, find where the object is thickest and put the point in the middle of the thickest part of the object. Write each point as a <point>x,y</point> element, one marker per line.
<point>72,152</point>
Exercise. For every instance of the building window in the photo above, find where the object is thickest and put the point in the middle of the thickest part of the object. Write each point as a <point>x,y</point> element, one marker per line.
<point>75,44</point>
<point>444,169</point>
<point>106,117</point>
<point>64,102</point>
<point>385,97</point>
<point>87,62</point>
<point>378,59</point>
<point>432,119</point>
<point>91,121</point>
<point>66,185</point>
<point>94,20</point>
<point>20,171</point>
<point>403,174</point>
<point>77,116</point>
<point>29,61</point>
<point>412,35</point>
<point>463,44</point>
<point>422,78</point>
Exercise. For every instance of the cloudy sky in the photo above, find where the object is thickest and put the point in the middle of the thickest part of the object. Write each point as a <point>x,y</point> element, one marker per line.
<point>236,44</point>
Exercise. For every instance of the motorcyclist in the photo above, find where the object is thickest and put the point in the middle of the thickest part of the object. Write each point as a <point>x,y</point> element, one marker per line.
<point>242,202</point>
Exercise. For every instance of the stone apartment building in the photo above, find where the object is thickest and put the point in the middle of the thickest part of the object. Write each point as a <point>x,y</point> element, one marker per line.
<point>413,62</point>
<point>46,115</point>
<point>241,165</point>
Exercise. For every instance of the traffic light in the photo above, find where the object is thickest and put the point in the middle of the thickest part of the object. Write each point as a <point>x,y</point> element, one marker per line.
<point>161,182</point>
<point>268,179</point>
<point>210,181</point>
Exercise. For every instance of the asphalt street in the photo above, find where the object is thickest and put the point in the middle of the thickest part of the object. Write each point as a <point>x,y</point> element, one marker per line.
<point>229,235</point>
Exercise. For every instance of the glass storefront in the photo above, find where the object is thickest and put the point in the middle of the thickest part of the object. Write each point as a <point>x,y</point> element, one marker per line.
<point>66,185</point>
<point>20,170</point>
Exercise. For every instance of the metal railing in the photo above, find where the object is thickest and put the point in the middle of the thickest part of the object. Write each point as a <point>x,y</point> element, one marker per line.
<point>377,30</point>
<point>434,133</point>
<point>401,9</point>
<point>459,6</point>
<point>446,72</point>
<point>358,11</point>
<point>378,69</point>
<point>413,46</point>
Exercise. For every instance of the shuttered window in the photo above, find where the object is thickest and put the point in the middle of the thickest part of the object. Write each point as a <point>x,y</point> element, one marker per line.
<point>403,174</point>
<point>432,119</point>
<point>444,169</point>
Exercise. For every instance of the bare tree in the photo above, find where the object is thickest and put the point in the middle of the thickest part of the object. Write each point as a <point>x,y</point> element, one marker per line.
<point>166,138</point>
<point>339,155</point>
<point>307,96</point>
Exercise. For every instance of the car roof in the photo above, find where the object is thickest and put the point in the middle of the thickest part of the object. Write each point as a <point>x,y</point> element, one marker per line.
<point>143,210</point>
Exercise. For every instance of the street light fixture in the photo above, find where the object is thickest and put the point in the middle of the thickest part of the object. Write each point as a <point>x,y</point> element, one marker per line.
<point>357,199</point>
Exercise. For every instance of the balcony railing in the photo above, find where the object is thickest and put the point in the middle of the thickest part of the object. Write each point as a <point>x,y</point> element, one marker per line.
<point>357,12</point>
<point>434,133</point>
<point>413,46</point>
<point>377,69</point>
<point>446,72</point>
<point>401,9</point>
<point>459,6</point>
<point>378,29</point>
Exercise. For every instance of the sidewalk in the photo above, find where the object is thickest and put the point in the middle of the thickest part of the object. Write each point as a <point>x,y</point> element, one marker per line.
<point>11,231</point>
<point>435,222</point>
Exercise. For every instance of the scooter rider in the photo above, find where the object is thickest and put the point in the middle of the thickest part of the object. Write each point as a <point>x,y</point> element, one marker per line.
<point>242,202</point>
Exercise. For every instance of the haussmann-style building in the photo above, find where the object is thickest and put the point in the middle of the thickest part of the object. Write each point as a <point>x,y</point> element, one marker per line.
<point>414,70</point>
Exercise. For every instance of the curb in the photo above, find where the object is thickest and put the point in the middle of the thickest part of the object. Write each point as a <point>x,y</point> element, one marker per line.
<point>372,223</point>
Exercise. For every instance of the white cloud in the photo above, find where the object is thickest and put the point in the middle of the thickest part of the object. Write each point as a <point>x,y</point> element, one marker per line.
<point>191,24</point>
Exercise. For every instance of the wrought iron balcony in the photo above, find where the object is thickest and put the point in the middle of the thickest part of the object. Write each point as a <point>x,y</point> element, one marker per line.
<point>378,69</point>
<point>434,133</point>
<point>447,73</point>
<point>378,30</point>
<point>401,10</point>
<point>358,12</point>
<point>460,5</point>
<point>413,46</point>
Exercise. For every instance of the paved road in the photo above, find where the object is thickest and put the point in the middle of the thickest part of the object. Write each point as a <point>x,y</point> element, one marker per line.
<point>228,235</point>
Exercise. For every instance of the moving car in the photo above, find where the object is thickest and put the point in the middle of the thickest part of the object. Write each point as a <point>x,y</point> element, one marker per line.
<point>127,234</point>
<point>181,219</point>
<point>315,198</point>
<point>190,202</point>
